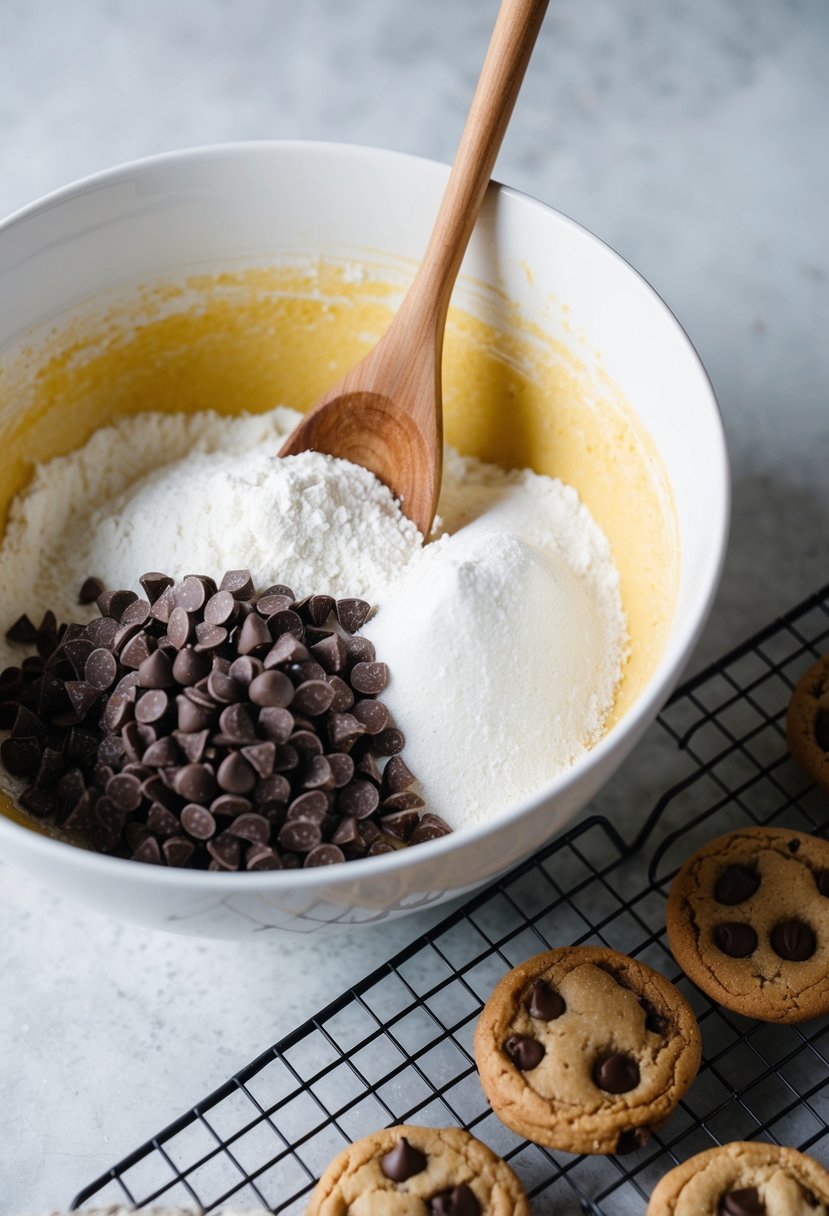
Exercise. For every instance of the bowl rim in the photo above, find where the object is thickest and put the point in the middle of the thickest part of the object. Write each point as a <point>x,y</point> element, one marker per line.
<point>670,664</point>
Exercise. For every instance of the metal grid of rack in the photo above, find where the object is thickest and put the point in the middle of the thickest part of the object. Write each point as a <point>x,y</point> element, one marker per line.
<point>397,1047</point>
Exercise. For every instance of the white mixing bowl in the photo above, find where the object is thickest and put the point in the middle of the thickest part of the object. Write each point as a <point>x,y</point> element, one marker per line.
<point>220,206</point>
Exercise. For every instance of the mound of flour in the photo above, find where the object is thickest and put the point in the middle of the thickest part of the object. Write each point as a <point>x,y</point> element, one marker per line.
<point>505,635</point>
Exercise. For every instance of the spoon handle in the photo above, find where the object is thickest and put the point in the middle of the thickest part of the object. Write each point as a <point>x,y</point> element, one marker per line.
<point>513,38</point>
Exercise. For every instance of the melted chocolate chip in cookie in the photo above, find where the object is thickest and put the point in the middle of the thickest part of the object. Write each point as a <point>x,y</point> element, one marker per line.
<point>524,1052</point>
<point>402,1162</point>
<point>822,729</point>
<point>735,939</point>
<point>545,1003</point>
<point>735,885</point>
<point>743,1202</point>
<point>822,882</point>
<point>631,1139</point>
<point>654,1021</point>
<point>617,1073</point>
<point>793,940</point>
<point>460,1201</point>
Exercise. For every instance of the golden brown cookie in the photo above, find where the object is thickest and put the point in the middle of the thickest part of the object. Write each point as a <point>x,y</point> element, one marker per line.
<point>418,1171</point>
<point>586,1050</point>
<point>748,922</point>
<point>744,1179</point>
<point>807,722</point>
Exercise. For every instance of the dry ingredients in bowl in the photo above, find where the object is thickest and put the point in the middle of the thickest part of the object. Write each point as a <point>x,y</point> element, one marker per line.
<point>504,637</point>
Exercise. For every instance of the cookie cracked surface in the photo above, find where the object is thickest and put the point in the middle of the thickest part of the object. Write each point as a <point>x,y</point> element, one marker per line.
<point>586,1050</point>
<point>748,922</point>
<point>744,1179</point>
<point>418,1171</point>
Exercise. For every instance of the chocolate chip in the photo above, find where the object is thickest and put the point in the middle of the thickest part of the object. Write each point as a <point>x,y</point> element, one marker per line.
<point>343,695</point>
<point>190,595</point>
<point>195,783</point>
<point>224,689</point>
<point>617,1073</point>
<point>286,649</point>
<point>430,827</point>
<point>236,721</point>
<point>352,614</point>
<point>225,852</point>
<point>235,776</point>
<point>136,613</point>
<point>822,883</point>
<point>313,697</point>
<point>102,631</point>
<point>793,940</point>
<point>115,603</point>
<point>156,671</point>
<point>251,827</point>
<point>209,637</point>
<point>460,1201</point>
<point>632,1139</point>
<point>83,696</point>
<point>269,604</point>
<point>735,885</point>
<point>655,1022</point>
<point>359,798</point>
<point>545,1003</point>
<point>344,730</point>
<point>318,609</point>
<point>238,583</point>
<point>316,774</point>
<point>148,851</point>
<point>330,653</point>
<point>230,805</point>
<point>342,768</point>
<point>399,824</point>
<point>406,800</point>
<point>524,1052</point>
<point>793,845</point>
<point>272,789</point>
<point>313,806</point>
<point>271,688</point>
<point>154,584</point>
<point>389,742</point>
<point>161,820</point>
<point>253,637</point>
<point>743,1202</point>
<point>324,855</point>
<point>197,821</point>
<point>735,939</point>
<point>89,591</point>
<point>125,791</point>
<point>403,1161</point>
<point>374,715</point>
<point>221,609</point>
<point>260,858</point>
<point>397,776</point>
<point>369,678</point>
<point>163,605</point>
<point>300,835</point>
<point>178,850</point>
<point>179,627</point>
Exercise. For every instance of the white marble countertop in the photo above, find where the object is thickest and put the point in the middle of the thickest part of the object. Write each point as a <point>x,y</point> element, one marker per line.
<point>687,135</point>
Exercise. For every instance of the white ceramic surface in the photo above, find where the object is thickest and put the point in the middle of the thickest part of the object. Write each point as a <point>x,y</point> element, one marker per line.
<point>259,202</point>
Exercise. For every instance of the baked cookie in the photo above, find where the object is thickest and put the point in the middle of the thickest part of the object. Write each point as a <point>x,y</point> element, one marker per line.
<point>748,922</point>
<point>418,1171</point>
<point>744,1179</point>
<point>586,1050</point>
<point>807,722</point>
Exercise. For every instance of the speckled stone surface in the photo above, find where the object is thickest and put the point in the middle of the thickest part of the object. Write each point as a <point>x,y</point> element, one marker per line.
<point>687,135</point>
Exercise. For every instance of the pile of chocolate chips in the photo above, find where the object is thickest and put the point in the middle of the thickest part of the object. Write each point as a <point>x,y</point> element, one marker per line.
<point>211,727</point>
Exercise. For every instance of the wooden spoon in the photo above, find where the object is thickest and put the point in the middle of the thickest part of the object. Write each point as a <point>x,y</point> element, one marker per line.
<point>386,413</point>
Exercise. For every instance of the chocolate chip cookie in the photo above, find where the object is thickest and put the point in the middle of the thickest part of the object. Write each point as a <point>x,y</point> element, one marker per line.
<point>418,1171</point>
<point>586,1050</point>
<point>744,1179</point>
<point>807,723</point>
<point>748,921</point>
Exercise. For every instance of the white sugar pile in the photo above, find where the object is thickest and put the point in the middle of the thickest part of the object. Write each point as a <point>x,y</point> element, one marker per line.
<point>505,638</point>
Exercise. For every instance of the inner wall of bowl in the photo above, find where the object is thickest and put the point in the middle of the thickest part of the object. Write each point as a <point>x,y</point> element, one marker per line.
<point>254,337</point>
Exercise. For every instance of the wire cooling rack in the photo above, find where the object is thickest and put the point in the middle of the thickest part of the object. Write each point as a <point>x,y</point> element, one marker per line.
<point>397,1047</point>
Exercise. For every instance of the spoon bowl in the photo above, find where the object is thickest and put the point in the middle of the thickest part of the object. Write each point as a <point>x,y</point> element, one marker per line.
<point>386,413</point>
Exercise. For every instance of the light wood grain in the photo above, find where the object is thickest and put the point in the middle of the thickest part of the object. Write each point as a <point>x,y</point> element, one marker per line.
<point>386,413</point>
